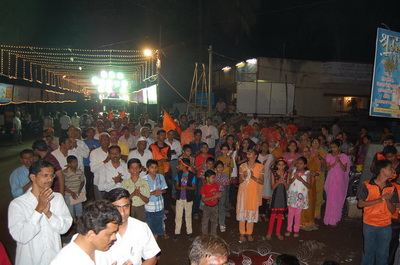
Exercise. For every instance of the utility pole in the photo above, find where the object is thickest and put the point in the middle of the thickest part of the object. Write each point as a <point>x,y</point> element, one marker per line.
<point>209,80</point>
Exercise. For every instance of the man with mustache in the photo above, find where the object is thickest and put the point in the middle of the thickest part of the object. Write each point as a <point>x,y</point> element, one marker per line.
<point>135,242</point>
<point>38,218</point>
<point>19,178</point>
<point>96,233</point>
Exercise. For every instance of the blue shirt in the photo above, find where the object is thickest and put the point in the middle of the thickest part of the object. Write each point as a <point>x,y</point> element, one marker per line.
<point>156,204</point>
<point>184,181</point>
<point>18,179</point>
<point>90,144</point>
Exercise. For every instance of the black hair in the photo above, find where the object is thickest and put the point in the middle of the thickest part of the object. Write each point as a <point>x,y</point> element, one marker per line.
<point>26,151</point>
<point>210,159</point>
<point>291,142</point>
<point>197,131</point>
<point>171,131</point>
<point>125,128</point>
<point>368,137</point>
<point>219,162</point>
<point>203,144</point>
<point>134,161</point>
<point>40,145</point>
<point>224,145</point>
<point>305,161</point>
<point>114,147</point>
<point>63,140</point>
<point>117,194</point>
<point>186,146</point>
<point>71,158</point>
<point>379,165</point>
<point>389,137</point>
<point>206,246</point>
<point>229,136</point>
<point>389,149</point>
<point>151,162</point>
<point>182,115</point>
<point>37,166</point>
<point>337,142</point>
<point>209,173</point>
<point>161,131</point>
<point>280,159</point>
<point>286,259</point>
<point>325,127</point>
<point>186,161</point>
<point>96,216</point>
<point>191,122</point>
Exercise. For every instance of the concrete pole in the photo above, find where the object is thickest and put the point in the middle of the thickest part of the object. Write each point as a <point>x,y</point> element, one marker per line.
<point>209,80</point>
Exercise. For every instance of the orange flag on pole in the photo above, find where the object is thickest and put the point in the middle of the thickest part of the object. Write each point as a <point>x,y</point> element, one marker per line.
<point>123,114</point>
<point>110,115</point>
<point>170,124</point>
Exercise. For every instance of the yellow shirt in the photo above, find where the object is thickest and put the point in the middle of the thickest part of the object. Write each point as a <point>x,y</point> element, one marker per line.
<point>130,186</point>
<point>228,165</point>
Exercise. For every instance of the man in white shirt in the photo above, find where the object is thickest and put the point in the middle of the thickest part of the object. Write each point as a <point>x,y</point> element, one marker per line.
<point>114,171</point>
<point>62,152</point>
<point>79,147</point>
<point>75,120</point>
<point>128,139</point>
<point>96,233</point>
<point>38,218</point>
<point>142,153</point>
<point>17,128</point>
<point>65,122</point>
<point>146,119</point>
<point>254,120</point>
<point>99,157</point>
<point>209,135</point>
<point>135,240</point>
<point>176,152</point>
<point>48,122</point>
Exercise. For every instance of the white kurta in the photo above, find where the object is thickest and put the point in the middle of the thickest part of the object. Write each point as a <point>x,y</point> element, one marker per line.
<point>72,254</point>
<point>38,237</point>
<point>108,172</point>
<point>97,157</point>
<point>207,130</point>
<point>138,242</point>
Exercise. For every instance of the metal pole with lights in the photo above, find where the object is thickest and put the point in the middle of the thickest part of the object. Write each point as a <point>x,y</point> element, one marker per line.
<point>150,53</point>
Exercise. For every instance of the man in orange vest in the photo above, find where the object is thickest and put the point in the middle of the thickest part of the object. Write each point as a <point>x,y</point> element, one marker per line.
<point>161,152</point>
<point>388,140</point>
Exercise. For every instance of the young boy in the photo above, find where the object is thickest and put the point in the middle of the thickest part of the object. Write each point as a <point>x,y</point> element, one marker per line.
<point>222,181</point>
<point>185,184</point>
<point>138,188</point>
<point>155,206</point>
<point>378,197</point>
<point>210,195</point>
<point>200,166</point>
<point>208,249</point>
<point>74,182</point>
<point>187,153</point>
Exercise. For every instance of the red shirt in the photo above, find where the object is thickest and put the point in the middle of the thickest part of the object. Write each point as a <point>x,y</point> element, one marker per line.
<point>199,161</point>
<point>209,190</point>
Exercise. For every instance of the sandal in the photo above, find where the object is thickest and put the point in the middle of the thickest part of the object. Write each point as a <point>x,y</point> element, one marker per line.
<point>280,237</point>
<point>242,238</point>
<point>165,236</point>
<point>250,238</point>
<point>287,233</point>
<point>296,235</point>
<point>268,237</point>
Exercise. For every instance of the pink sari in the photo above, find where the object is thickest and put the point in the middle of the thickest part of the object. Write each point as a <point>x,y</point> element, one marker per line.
<point>336,185</point>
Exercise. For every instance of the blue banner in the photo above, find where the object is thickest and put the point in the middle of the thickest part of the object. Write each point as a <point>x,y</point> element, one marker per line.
<point>385,93</point>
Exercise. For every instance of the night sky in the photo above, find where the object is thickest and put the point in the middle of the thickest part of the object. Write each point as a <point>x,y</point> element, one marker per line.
<point>311,30</point>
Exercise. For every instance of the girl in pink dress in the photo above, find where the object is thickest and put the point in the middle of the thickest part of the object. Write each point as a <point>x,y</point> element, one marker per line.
<point>336,183</point>
<point>292,154</point>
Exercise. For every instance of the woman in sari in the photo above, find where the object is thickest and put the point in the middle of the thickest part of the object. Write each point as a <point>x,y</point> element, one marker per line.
<point>338,166</point>
<point>320,153</point>
<point>307,215</point>
<point>251,179</point>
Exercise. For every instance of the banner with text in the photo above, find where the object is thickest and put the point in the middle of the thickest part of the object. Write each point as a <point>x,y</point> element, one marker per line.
<point>385,93</point>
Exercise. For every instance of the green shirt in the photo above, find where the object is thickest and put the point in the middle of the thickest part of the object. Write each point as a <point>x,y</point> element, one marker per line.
<point>144,190</point>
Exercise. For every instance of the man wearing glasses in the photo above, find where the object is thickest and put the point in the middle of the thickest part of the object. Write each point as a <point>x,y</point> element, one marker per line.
<point>38,218</point>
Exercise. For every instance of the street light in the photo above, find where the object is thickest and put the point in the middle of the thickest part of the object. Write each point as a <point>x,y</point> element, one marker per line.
<point>148,52</point>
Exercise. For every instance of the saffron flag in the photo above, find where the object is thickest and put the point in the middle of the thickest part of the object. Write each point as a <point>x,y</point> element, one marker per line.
<point>110,115</point>
<point>170,124</point>
<point>123,114</point>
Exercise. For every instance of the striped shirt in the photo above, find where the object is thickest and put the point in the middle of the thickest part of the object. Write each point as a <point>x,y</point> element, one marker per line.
<point>73,180</point>
<point>155,204</point>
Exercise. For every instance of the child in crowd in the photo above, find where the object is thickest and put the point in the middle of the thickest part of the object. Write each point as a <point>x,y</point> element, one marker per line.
<point>200,165</point>
<point>185,184</point>
<point>299,183</point>
<point>227,159</point>
<point>279,184</point>
<point>210,195</point>
<point>292,153</point>
<point>266,159</point>
<point>155,207</point>
<point>223,183</point>
<point>187,153</point>
<point>138,188</point>
<point>74,182</point>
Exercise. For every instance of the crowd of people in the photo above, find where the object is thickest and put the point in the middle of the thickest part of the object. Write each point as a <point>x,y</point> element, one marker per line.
<point>136,173</point>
